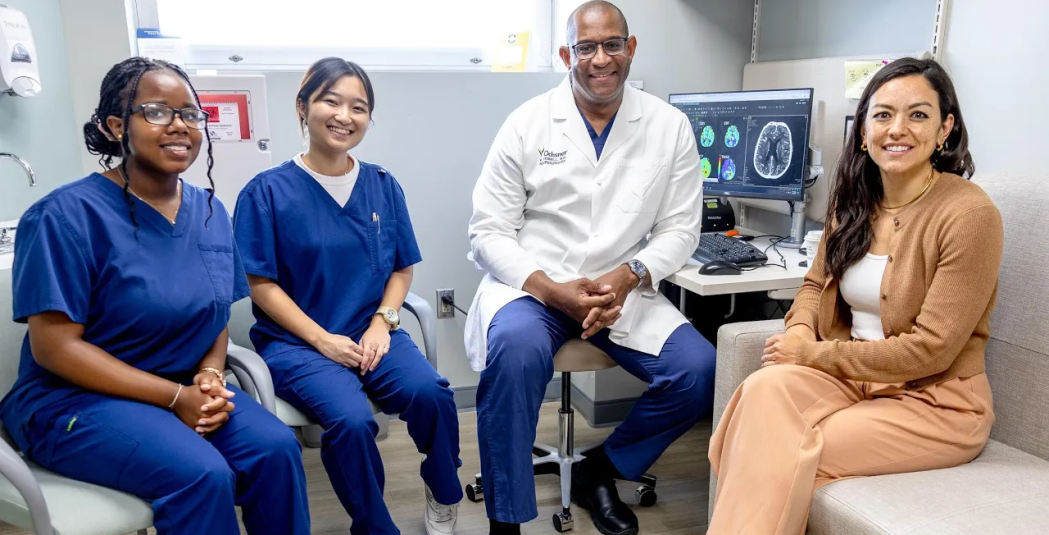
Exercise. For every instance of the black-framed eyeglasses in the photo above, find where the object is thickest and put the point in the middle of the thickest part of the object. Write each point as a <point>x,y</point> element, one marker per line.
<point>163,115</point>
<point>612,47</point>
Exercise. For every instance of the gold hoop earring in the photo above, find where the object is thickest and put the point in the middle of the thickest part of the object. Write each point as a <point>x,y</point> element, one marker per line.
<point>120,137</point>
<point>940,148</point>
<point>863,147</point>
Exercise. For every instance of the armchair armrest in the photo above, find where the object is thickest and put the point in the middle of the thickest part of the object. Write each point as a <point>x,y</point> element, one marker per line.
<point>422,310</point>
<point>739,355</point>
<point>253,375</point>
<point>15,470</point>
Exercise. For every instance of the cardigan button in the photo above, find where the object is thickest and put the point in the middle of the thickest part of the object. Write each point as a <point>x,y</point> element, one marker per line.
<point>890,258</point>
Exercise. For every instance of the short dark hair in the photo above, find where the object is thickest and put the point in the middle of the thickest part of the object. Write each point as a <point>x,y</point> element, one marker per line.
<point>591,7</point>
<point>327,72</point>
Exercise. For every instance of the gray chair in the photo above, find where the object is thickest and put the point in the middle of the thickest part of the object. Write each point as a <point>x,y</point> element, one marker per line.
<point>575,356</point>
<point>1006,489</point>
<point>32,497</point>
<point>254,376</point>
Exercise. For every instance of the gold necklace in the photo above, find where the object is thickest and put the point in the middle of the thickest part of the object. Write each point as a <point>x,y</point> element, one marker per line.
<point>928,184</point>
<point>177,207</point>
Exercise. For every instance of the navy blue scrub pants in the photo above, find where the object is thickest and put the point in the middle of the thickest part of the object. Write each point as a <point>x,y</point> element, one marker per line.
<point>193,482</point>
<point>522,340</point>
<point>336,396</point>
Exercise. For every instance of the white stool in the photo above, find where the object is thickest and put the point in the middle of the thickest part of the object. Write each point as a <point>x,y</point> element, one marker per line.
<point>575,356</point>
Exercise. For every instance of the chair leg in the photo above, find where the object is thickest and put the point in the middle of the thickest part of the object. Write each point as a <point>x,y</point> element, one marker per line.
<point>311,435</point>
<point>565,451</point>
<point>384,426</point>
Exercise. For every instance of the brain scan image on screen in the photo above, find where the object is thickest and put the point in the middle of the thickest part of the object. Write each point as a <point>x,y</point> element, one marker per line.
<point>732,136</point>
<point>728,169</point>
<point>707,137</point>
<point>773,151</point>
<point>704,166</point>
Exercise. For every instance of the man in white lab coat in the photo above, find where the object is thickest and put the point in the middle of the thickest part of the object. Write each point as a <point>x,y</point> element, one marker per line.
<point>590,196</point>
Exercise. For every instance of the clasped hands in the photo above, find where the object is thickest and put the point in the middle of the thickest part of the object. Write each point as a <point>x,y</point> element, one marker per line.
<point>205,405</point>
<point>786,348</point>
<point>595,304</point>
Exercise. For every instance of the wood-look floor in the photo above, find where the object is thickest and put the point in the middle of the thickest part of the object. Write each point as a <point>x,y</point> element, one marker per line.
<point>682,471</point>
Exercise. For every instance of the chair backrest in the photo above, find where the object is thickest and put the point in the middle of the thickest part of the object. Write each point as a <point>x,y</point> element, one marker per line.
<point>11,336</point>
<point>1018,351</point>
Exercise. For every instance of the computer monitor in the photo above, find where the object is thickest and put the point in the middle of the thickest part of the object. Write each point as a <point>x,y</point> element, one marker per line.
<point>751,143</point>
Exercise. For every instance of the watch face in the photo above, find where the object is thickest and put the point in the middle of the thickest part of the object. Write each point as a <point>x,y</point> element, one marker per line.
<point>391,316</point>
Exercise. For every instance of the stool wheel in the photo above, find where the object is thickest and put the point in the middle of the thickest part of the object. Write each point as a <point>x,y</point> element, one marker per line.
<point>474,492</point>
<point>646,496</point>
<point>563,522</point>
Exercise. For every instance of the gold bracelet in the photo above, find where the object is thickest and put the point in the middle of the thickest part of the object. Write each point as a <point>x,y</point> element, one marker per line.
<point>174,401</point>
<point>218,373</point>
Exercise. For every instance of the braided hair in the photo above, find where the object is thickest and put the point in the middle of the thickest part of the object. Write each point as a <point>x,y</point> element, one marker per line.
<point>116,98</point>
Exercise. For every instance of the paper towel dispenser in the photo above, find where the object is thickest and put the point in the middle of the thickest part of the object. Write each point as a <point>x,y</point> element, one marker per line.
<point>19,65</point>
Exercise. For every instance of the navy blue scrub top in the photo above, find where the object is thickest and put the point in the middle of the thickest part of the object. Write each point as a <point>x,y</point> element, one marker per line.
<point>333,261</point>
<point>156,301</point>
<point>598,139</point>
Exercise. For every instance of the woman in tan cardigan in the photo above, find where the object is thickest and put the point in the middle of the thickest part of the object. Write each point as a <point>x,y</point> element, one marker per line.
<point>881,369</point>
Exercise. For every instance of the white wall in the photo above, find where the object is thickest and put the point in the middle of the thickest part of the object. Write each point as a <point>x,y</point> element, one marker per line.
<point>1001,80</point>
<point>804,29</point>
<point>97,36</point>
<point>41,129</point>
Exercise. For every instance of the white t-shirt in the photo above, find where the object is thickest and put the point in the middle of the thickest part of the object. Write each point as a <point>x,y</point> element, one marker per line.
<point>861,288</point>
<point>339,187</point>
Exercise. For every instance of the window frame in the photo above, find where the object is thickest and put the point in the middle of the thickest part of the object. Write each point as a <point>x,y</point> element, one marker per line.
<point>543,56</point>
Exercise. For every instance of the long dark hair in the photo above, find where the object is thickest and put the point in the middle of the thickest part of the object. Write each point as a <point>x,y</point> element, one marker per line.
<point>857,179</point>
<point>117,98</point>
<point>323,74</point>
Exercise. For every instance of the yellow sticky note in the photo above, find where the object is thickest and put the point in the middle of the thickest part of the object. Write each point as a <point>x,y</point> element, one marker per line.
<point>511,53</point>
<point>858,74</point>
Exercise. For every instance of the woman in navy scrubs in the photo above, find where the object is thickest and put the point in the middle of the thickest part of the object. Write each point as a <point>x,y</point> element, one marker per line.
<point>329,248</point>
<point>126,280</point>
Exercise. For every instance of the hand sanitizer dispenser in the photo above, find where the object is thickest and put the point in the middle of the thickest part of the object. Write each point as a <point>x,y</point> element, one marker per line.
<point>19,68</point>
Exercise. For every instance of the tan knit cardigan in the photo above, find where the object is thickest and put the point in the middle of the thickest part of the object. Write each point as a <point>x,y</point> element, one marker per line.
<point>938,291</point>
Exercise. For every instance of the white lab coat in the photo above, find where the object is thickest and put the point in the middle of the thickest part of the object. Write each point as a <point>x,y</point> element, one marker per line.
<point>545,202</point>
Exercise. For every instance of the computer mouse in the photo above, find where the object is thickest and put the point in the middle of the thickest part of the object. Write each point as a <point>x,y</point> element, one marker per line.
<point>720,267</point>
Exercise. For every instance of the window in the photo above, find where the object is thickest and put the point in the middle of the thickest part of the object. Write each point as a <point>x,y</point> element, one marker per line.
<point>379,34</point>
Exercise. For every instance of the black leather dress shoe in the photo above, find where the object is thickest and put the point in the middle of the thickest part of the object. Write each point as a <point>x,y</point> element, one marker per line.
<point>610,515</point>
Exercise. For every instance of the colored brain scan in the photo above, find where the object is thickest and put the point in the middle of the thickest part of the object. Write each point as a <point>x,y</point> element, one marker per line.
<point>728,169</point>
<point>732,136</point>
<point>707,137</point>
<point>774,150</point>
<point>704,166</point>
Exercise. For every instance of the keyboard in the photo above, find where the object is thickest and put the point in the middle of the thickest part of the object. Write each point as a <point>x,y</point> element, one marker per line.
<point>713,246</point>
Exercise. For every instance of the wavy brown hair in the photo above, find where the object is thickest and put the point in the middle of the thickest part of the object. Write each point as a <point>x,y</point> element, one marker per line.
<point>857,180</point>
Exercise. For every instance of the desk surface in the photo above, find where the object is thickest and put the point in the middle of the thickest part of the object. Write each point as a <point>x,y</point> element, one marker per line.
<point>762,279</point>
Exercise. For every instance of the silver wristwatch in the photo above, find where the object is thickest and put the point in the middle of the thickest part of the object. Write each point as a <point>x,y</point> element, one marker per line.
<point>639,269</point>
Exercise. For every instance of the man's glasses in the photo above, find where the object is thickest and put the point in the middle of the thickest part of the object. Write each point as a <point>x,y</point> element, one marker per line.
<point>163,115</point>
<point>612,47</point>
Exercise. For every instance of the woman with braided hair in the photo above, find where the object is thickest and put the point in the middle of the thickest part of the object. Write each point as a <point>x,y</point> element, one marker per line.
<point>126,279</point>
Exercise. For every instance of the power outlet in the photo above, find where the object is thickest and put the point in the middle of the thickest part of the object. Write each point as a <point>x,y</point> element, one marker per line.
<point>445,310</point>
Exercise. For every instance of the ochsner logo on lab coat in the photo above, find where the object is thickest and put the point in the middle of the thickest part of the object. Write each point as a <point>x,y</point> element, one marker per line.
<point>552,158</point>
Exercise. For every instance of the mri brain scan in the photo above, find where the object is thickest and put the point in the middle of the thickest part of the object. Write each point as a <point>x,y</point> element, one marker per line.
<point>707,137</point>
<point>774,150</point>
<point>732,136</point>
<point>704,166</point>
<point>728,169</point>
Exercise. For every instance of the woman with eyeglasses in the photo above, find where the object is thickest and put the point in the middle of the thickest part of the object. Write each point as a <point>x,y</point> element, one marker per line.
<point>126,279</point>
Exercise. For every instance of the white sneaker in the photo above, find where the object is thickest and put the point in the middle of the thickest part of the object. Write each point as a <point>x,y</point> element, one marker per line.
<point>440,519</point>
